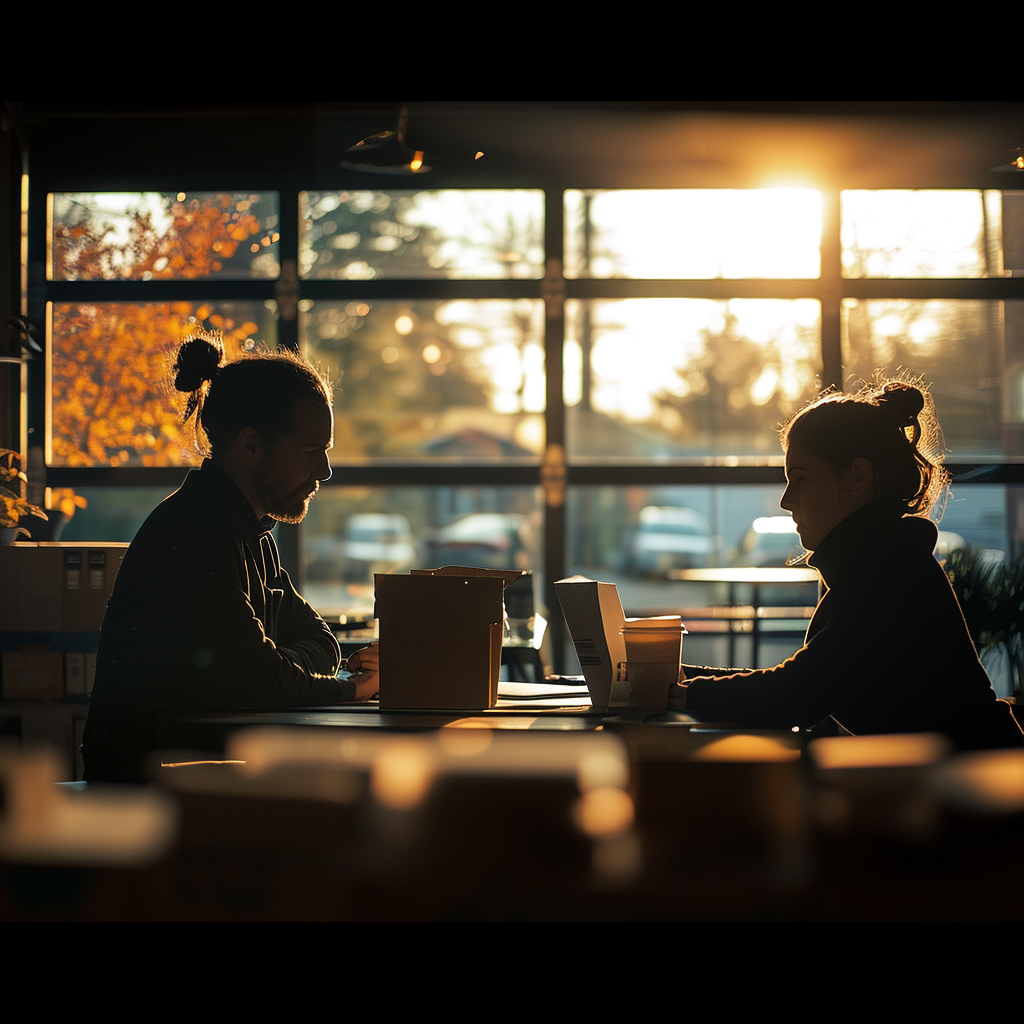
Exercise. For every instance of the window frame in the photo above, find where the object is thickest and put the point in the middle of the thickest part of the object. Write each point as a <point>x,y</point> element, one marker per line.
<point>51,175</point>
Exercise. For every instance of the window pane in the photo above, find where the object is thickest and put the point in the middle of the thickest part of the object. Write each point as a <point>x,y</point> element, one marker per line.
<point>693,233</point>
<point>623,536</point>
<point>351,533</point>
<point>110,513</point>
<point>679,379</point>
<point>926,233</point>
<point>109,363</point>
<point>641,537</point>
<point>970,352</point>
<point>459,381</point>
<point>160,236</point>
<point>454,234</point>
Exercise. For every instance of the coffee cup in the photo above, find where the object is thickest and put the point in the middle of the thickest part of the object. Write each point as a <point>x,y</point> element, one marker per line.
<point>653,655</point>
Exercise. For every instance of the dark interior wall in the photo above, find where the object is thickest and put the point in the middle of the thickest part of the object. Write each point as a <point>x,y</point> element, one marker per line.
<point>869,145</point>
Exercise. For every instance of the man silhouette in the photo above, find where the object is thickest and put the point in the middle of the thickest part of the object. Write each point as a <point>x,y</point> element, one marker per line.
<point>202,616</point>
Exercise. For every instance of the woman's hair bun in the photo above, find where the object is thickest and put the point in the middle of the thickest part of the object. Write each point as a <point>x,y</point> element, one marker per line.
<point>903,402</point>
<point>197,361</point>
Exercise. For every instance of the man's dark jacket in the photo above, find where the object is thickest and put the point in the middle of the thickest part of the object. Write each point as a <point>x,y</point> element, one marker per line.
<point>887,650</point>
<point>202,617</point>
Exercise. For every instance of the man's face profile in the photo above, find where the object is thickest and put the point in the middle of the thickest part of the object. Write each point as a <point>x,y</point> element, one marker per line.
<point>294,463</point>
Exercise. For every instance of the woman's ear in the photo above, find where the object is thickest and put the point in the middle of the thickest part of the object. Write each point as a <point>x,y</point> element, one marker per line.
<point>858,483</point>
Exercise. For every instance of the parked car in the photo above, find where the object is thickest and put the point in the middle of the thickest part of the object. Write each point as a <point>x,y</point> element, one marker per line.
<point>377,542</point>
<point>489,540</point>
<point>770,541</point>
<point>668,538</point>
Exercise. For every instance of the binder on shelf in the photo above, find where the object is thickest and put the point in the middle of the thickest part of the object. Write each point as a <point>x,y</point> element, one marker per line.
<point>57,586</point>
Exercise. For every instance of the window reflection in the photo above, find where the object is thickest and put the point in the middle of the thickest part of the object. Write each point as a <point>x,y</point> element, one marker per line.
<point>459,381</point>
<point>677,379</point>
<point>359,235</point>
<point>153,236</point>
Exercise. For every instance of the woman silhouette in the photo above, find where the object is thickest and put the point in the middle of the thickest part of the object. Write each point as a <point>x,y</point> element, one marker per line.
<point>887,649</point>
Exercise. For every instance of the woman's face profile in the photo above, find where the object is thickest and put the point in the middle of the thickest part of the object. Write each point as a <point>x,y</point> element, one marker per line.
<point>818,497</point>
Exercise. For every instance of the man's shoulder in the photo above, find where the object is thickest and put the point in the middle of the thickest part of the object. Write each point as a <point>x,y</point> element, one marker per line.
<point>191,516</point>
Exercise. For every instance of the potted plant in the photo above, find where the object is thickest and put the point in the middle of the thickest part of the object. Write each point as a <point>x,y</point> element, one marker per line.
<point>13,507</point>
<point>991,595</point>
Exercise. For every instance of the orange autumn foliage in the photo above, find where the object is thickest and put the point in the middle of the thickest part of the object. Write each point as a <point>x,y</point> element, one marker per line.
<point>112,405</point>
<point>204,232</point>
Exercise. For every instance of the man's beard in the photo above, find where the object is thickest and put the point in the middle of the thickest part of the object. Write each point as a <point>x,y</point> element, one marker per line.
<point>289,508</point>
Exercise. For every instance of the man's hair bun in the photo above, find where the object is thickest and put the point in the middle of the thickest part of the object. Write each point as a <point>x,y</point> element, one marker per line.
<point>198,360</point>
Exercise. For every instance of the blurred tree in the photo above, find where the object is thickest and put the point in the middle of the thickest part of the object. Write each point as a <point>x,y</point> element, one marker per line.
<point>110,362</point>
<point>111,404</point>
<point>359,235</point>
<point>954,344</point>
<point>732,396</point>
<point>403,365</point>
<point>224,234</point>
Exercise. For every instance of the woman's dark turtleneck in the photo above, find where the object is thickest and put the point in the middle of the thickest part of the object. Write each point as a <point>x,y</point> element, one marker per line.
<point>886,651</point>
<point>873,532</point>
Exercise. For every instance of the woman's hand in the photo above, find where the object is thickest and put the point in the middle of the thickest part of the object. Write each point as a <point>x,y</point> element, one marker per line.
<point>365,667</point>
<point>677,693</point>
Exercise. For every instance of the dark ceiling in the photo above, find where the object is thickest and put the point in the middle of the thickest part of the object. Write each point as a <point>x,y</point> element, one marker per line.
<point>554,144</point>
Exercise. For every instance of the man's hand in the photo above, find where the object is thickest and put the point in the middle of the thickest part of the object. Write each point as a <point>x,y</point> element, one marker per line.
<point>365,666</point>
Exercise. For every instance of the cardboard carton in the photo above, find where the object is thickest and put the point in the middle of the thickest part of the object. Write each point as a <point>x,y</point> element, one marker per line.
<point>593,613</point>
<point>440,637</point>
<point>33,673</point>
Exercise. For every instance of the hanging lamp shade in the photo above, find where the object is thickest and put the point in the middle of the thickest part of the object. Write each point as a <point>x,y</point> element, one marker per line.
<point>1016,161</point>
<point>386,152</point>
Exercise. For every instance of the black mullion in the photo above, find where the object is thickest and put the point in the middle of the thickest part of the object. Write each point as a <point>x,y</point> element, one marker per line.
<point>965,473</point>
<point>554,416</point>
<point>37,298</point>
<point>420,288</point>
<point>995,288</point>
<point>693,288</point>
<point>831,291</point>
<point>288,292</point>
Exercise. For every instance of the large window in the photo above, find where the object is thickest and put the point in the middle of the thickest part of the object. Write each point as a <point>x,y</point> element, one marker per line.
<point>556,378</point>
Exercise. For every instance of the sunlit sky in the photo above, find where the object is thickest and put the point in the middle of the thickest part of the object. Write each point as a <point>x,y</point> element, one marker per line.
<point>698,233</point>
<point>923,233</point>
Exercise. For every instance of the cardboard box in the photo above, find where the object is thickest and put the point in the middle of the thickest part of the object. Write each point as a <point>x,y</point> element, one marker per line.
<point>33,673</point>
<point>59,586</point>
<point>440,637</point>
<point>593,613</point>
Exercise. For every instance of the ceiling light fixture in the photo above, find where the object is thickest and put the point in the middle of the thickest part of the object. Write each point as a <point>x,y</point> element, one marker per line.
<point>1016,163</point>
<point>386,152</point>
